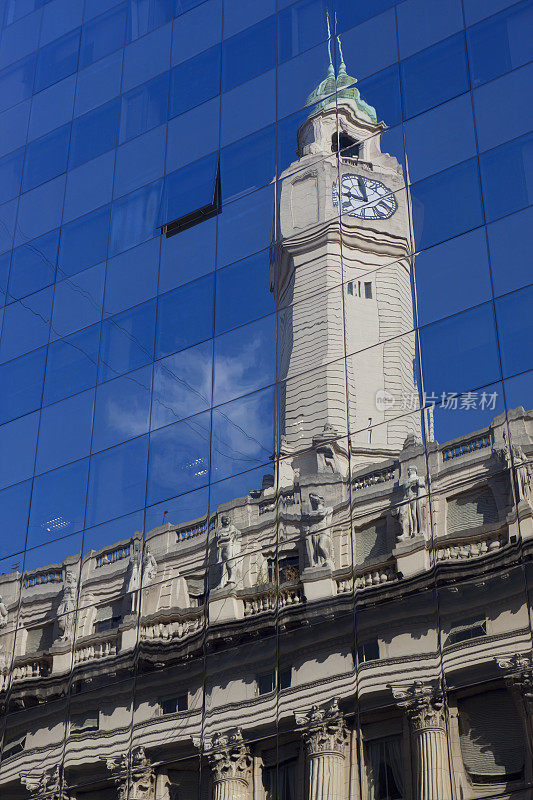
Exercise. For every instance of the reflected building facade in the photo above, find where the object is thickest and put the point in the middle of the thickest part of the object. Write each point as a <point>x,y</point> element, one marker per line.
<point>267,488</point>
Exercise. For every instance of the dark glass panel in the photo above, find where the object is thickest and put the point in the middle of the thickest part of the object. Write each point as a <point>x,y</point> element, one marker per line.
<point>446,204</point>
<point>16,82</point>
<point>122,409</point>
<point>71,364</point>
<point>17,449</point>
<point>460,353</point>
<point>513,314</point>
<point>194,81</point>
<point>145,15</point>
<point>14,507</point>
<point>434,75</point>
<point>127,341</point>
<point>83,242</point>
<point>134,218</point>
<point>242,434</point>
<point>144,107</point>
<point>10,175</point>
<point>182,384</point>
<point>243,292</point>
<point>94,133</point>
<point>421,24</point>
<point>249,53</point>
<point>179,458</point>
<point>507,177</point>
<point>65,431</point>
<point>33,265</point>
<point>117,481</point>
<point>46,158</point>
<point>185,316</point>
<point>248,163</point>
<point>500,43</point>
<point>103,35</point>
<point>22,385</point>
<point>57,60</point>
<point>58,503</point>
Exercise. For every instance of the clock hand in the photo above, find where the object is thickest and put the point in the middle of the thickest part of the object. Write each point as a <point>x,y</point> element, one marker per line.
<point>362,189</point>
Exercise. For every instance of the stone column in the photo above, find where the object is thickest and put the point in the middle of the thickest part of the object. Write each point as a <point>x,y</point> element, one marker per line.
<point>518,670</point>
<point>324,734</point>
<point>230,761</point>
<point>425,709</point>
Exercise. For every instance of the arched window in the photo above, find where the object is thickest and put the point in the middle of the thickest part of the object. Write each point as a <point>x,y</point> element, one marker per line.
<point>346,145</point>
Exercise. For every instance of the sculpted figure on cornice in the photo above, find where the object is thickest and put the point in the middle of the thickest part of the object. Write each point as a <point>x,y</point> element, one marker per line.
<point>317,527</point>
<point>412,512</point>
<point>514,456</point>
<point>149,565</point>
<point>3,613</point>
<point>132,581</point>
<point>65,611</point>
<point>228,547</point>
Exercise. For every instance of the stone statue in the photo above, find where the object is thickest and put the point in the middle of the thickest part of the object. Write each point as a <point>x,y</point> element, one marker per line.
<point>149,565</point>
<point>3,613</point>
<point>411,513</point>
<point>228,542</point>
<point>65,618</point>
<point>524,474</point>
<point>318,543</point>
<point>133,581</point>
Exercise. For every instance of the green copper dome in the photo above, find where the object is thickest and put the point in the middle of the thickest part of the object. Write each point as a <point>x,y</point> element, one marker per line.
<point>344,86</point>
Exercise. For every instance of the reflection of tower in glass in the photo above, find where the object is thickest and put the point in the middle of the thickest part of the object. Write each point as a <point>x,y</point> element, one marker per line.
<point>344,256</point>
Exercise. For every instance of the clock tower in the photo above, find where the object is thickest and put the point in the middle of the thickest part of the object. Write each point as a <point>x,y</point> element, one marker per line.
<point>343,282</point>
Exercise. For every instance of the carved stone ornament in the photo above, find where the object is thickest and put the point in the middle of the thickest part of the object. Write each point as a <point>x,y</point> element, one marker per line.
<point>423,704</point>
<point>229,757</point>
<point>46,783</point>
<point>323,729</point>
<point>519,673</point>
<point>135,781</point>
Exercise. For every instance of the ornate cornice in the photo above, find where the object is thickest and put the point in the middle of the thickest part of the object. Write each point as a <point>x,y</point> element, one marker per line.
<point>229,757</point>
<point>323,729</point>
<point>423,705</point>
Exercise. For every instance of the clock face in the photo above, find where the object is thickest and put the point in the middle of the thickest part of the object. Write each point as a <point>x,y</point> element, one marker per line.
<point>364,198</point>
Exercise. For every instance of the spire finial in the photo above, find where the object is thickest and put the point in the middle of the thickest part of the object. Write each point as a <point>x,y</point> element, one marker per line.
<point>342,65</point>
<point>331,71</point>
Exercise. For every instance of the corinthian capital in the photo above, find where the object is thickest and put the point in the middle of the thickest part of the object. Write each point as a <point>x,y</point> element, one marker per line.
<point>518,670</point>
<point>323,729</point>
<point>135,780</point>
<point>229,757</point>
<point>423,704</point>
<point>47,781</point>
